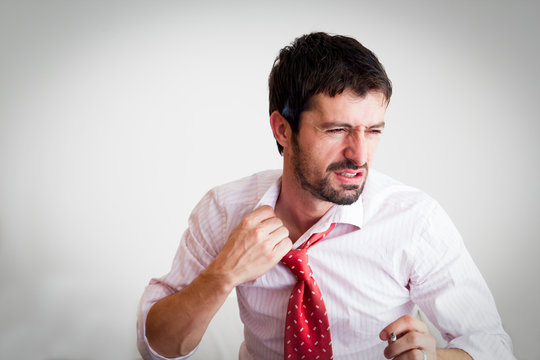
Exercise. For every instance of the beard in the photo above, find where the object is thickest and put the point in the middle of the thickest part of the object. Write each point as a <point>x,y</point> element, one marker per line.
<point>321,188</point>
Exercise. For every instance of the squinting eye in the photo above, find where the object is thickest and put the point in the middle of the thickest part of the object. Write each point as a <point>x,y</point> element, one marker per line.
<point>336,131</point>
<point>375,131</point>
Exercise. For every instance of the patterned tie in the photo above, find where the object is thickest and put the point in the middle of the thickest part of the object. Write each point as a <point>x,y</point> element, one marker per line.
<point>307,331</point>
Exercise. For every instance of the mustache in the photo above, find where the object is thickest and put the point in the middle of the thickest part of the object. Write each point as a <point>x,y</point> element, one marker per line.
<point>346,164</point>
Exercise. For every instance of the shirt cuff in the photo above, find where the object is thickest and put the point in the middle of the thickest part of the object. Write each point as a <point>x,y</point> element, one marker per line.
<point>484,346</point>
<point>155,356</point>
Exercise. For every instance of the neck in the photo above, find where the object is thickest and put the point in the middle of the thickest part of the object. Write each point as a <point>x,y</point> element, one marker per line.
<point>297,208</point>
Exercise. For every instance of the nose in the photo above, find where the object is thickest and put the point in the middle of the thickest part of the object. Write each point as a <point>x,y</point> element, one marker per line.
<point>356,148</point>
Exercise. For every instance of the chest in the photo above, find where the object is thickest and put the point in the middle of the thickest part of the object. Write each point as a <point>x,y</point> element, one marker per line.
<point>359,272</point>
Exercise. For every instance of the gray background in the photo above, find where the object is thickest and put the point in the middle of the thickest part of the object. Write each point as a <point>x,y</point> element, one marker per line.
<point>116,117</point>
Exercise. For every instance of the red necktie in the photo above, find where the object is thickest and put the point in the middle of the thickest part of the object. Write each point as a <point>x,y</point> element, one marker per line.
<point>307,331</point>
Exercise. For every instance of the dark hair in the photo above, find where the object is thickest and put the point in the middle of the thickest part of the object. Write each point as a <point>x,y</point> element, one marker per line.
<point>321,63</point>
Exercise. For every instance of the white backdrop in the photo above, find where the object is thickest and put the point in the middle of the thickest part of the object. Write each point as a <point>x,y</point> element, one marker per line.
<point>116,117</point>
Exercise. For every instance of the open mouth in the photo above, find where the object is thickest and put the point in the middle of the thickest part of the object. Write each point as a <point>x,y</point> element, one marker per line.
<point>350,174</point>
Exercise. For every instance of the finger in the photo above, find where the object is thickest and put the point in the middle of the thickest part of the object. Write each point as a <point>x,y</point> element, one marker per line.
<point>272,224</point>
<point>260,214</point>
<point>256,217</point>
<point>415,354</point>
<point>270,231</point>
<point>407,344</point>
<point>282,248</point>
<point>277,235</point>
<point>402,325</point>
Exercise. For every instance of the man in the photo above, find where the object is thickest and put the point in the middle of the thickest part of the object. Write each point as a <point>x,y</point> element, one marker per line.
<point>328,257</point>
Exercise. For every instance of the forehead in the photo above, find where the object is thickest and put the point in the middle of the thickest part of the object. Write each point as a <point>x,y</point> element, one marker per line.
<point>346,108</point>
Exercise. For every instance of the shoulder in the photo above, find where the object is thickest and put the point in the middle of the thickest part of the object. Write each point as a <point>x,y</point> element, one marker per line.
<point>222,208</point>
<point>237,198</point>
<point>411,209</point>
<point>247,190</point>
<point>384,194</point>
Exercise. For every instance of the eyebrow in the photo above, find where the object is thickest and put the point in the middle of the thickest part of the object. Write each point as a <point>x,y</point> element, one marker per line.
<point>382,124</point>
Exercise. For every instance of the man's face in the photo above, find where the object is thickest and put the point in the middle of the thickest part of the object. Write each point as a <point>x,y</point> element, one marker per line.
<point>331,153</point>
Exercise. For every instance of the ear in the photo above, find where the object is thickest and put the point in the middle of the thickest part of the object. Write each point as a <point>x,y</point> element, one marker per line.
<point>281,129</point>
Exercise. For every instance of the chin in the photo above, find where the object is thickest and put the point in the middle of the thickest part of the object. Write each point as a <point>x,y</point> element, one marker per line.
<point>346,196</point>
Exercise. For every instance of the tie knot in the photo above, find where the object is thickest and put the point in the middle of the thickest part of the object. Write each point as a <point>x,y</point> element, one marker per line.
<point>297,261</point>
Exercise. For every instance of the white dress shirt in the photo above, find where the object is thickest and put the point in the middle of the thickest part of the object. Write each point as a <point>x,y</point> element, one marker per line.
<point>393,248</point>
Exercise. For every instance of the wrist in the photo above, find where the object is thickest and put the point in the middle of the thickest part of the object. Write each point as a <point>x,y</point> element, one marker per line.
<point>220,281</point>
<point>450,353</point>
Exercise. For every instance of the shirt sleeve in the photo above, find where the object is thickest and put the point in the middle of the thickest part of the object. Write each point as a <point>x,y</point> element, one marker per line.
<point>199,245</point>
<point>448,287</point>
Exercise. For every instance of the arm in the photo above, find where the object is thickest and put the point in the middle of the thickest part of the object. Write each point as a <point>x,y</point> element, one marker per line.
<point>451,354</point>
<point>448,287</point>
<point>175,324</point>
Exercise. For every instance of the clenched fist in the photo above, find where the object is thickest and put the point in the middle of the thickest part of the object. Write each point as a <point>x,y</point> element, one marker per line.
<point>256,245</point>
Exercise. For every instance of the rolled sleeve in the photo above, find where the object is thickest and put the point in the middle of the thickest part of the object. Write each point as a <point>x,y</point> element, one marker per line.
<point>449,288</point>
<point>199,245</point>
<point>161,288</point>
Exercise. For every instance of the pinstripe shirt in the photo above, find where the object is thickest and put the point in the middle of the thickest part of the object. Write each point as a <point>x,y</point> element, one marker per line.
<point>393,248</point>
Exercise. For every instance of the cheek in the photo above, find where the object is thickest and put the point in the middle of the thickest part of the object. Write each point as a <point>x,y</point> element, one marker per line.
<point>331,153</point>
<point>323,148</point>
<point>319,151</point>
<point>372,146</point>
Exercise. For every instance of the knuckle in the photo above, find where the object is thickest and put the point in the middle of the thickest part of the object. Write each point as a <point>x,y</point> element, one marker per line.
<point>267,209</point>
<point>246,222</point>
<point>267,247</point>
<point>266,257</point>
<point>259,232</point>
<point>413,338</point>
<point>409,319</point>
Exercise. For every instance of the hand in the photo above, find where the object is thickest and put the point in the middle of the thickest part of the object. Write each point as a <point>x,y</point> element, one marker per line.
<point>412,338</point>
<point>256,245</point>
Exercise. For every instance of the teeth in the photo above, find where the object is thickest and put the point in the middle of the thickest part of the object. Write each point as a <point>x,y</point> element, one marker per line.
<point>347,174</point>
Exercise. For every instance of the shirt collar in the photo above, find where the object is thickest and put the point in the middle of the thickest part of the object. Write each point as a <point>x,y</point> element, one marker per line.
<point>347,214</point>
<point>270,196</point>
